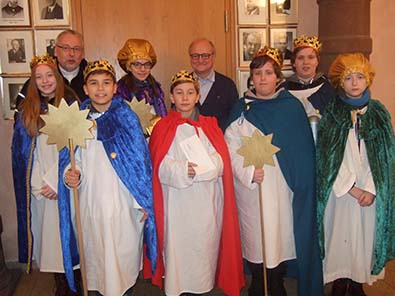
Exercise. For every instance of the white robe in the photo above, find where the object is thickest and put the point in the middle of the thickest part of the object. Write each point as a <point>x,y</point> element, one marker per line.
<point>47,250</point>
<point>193,218</point>
<point>276,200</point>
<point>111,227</point>
<point>349,228</point>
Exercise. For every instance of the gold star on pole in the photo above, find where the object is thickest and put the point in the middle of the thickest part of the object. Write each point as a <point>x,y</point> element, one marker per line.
<point>67,126</point>
<point>143,111</point>
<point>66,122</point>
<point>258,150</point>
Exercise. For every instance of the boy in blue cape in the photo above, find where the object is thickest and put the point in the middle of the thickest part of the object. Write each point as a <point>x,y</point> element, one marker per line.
<point>115,191</point>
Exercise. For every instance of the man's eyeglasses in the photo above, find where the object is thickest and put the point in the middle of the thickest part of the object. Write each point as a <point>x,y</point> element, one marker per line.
<point>203,56</point>
<point>67,48</point>
<point>147,65</point>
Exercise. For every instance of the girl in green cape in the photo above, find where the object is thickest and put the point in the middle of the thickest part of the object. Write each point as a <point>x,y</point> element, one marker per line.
<point>355,180</point>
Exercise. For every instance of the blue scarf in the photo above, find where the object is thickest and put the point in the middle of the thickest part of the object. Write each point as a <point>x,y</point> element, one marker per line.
<point>356,103</point>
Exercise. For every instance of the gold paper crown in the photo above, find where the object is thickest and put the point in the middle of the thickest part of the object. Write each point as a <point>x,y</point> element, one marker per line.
<point>273,53</point>
<point>348,63</point>
<point>308,41</point>
<point>184,76</point>
<point>43,60</point>
<point>99,65</point>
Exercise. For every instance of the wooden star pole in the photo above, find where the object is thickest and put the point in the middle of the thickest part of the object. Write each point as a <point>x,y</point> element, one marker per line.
<point>258,150</point>
<point>67,126</point>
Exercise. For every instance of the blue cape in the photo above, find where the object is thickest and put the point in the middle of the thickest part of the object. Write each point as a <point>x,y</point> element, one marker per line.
<point>22,161</point>
<point>285,117</point>
<point>120,131</point>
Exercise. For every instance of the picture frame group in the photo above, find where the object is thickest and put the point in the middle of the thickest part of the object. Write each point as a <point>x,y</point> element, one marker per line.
<point>266,22</point>
<point>46,13</point>
<point>256,12</point>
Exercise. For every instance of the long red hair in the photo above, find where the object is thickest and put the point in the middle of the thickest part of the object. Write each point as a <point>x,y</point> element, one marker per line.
<point>31,105</point>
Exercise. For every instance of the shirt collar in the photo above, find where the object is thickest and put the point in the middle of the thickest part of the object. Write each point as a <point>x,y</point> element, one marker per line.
<point>209,78</point>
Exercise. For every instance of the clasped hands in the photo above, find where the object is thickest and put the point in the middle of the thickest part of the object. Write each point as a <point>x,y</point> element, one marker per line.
<point>365,198</point>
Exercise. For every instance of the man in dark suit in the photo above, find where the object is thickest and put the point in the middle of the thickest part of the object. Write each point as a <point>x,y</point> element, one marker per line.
<point>16,54</point>
<point>218,93</point>
<point>12,10</point>
<point>52,11</point>
<point>51,48</point>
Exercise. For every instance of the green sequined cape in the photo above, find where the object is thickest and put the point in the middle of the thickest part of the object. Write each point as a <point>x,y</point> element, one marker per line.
<point>378,135</point>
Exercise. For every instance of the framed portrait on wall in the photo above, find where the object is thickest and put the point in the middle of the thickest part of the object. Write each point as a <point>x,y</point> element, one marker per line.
<point>10,87</point>
<point>242,81</point>
<point>45,41</point>
<point>252,12</point>
<point>16,51</point>
<point>282,38</point>
<point>250,41</point>
<point>283,11</point>
<point>51,12</point>
<point>14,13</point>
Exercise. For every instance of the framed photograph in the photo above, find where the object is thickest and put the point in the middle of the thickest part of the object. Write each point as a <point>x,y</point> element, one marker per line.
<point>250,41</point>
<point>14,13</point>
<point>51,12</point>
<point>283,11</point>
<point>16,51</point>
<point>282,38</point>
<point>45,41</point>
<point>10,87</point>
<point>242,86</point>
<point>252,12</point>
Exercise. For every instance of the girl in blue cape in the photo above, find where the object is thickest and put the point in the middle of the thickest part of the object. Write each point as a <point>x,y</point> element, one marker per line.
<point>355,180</point>
<point>35,172</point>
<point>288,188</point>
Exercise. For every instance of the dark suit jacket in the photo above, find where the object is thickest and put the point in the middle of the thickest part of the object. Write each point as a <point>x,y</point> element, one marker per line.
<point>51,50</point>
<point>57,13</point>
<point>220,99</point>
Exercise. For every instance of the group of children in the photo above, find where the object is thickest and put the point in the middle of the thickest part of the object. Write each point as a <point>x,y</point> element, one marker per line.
<point>188,201</point>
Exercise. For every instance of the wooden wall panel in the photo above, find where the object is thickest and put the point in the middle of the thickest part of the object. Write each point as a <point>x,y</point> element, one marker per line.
<point>169,25</point>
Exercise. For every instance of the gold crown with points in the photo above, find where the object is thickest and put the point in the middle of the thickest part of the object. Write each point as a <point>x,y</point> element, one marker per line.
<point>273,53</point>
<point>308,41</point>
<point>184,76</point>
<point>99,65</point>
<point>43,60</point>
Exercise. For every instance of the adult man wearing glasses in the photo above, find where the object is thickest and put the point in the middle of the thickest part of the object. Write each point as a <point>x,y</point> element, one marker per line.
<point>218,93</point>
<point>69,52</point>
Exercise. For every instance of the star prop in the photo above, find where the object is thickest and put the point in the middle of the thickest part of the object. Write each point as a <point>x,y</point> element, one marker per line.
<point>66,122</point>
<point>143,111</point>
<point>258,150</point>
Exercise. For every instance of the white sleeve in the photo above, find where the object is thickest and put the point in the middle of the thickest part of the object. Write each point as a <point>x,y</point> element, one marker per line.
<point>174,173</point>
<point>241,173</point>
<point>344,181</point>
<point>36,180</point>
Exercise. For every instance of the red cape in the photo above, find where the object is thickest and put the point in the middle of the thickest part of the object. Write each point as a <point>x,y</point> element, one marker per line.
<point>229,275</point>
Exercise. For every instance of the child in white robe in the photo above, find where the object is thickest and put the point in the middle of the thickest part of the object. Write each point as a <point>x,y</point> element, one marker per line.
<point>194,199</point>
<point>355,168</point>
<point>114,180</point>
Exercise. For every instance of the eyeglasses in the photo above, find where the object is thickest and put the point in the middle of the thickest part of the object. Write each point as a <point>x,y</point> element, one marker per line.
<point>147,65</point>
<point>67,48</point>
<point>203,56</point>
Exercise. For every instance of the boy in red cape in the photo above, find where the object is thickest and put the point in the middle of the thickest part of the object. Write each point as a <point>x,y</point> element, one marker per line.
<point>194,203</point>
